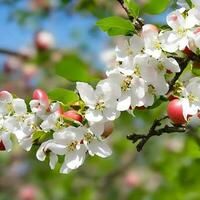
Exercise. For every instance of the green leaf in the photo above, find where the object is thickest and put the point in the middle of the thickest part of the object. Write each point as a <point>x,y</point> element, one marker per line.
<point>133,8</point>
<point>189,2</point>
<point>192,149</point>
<point>116,26</point>
<point>158,102</point>
<point>155,7</point>
<point>37,135</point>
<point>73,68</point>
<point>63,95</point>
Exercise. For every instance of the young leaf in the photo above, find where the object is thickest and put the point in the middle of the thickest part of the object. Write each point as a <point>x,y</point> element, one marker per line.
<point>133,7</point>
<point>116,26</point>
<point>155,7</point>
<point>73,68</point>
<point>63,95</point>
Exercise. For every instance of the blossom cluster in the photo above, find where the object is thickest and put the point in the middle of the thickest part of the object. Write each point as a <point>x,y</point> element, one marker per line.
<point>144,67</point>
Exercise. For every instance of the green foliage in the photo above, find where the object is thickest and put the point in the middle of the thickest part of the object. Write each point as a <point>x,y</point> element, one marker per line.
<point>63,95</point>
<point>133,7</point>
<point>73,68</point>
<point>189,2</point>
<point>116,26</point>
<point>155,7</point>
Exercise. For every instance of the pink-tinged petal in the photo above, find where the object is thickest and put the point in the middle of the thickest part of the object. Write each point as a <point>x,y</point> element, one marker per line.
<point>5,97</point>
<point>175,20</point>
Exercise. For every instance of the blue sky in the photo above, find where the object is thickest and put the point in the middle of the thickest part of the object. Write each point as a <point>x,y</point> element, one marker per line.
<point>70,31</point>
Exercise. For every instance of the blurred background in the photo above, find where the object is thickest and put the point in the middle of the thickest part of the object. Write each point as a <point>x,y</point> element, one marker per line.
<point>37,36</point>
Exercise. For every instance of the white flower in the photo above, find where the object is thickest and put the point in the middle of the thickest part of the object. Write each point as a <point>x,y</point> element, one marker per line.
<point>5,136</point>
<point>129,49</point>
<point>178,38</point>
<point>101,102</point>
<point>48,147</point>
<point>65,142</point>
<point>39,108</point>
<point>22,128</point>
<point>195,39</point>
<point>8,105</point>
<point>191,98</point>
<point>70,140</point>
<point>50,123</point>
<point>152,42</point>
<point>94,142</point>
<point>132,89</point>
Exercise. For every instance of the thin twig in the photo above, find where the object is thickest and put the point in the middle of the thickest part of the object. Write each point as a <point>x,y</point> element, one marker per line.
<point>153,131</point>
<point>121,2</point>
<point>13,53</point>
<point>138,22</point>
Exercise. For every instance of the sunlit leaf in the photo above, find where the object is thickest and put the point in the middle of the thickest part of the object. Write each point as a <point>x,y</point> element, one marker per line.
<point>116,26</point>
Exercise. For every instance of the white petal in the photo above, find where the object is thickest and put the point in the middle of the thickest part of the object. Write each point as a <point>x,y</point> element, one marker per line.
<point>93,115</point>
<point>19,106</point>
<point>170,64</point>
<point>99,148</point>
<point>53,159</point>
<point>5,137</point>
<point>26,143</point>
<point>75,159</point>
<point>56,148</point>
<point>64,169</point>
<point>41,154</point>
<point>97,129</point>
<point>111,114</point>
<point>124,102</point>
<point>86,93</point>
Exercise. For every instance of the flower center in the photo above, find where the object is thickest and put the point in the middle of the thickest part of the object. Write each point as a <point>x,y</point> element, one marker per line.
<point>126,84</point>
<point>72,146</point>
<point>160,67</point>
<point>192,98</point>
<point>88,137</point>
<point>181,31</point>
<point>178,88</point>
<point>157,44</point>
<point>137,71</point>
<point>9,108</point>
<point>100,106</point>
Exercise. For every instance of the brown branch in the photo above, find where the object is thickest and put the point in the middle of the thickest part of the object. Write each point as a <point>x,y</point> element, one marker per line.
<point>183,62</point>
<point>153,131</point>
<point>121,2</point>
<point>13,53</point>
<point>138,22</point>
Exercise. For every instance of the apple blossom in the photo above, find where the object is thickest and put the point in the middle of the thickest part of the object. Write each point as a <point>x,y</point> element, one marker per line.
<point>101,102</point>
<point>148,65</point>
